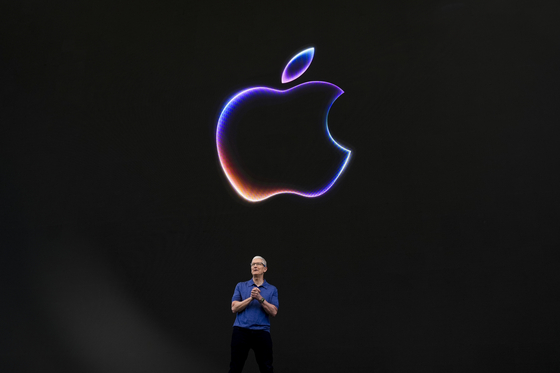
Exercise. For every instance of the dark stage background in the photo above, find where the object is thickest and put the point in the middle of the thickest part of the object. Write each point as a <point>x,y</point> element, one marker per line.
<point>122,242</point>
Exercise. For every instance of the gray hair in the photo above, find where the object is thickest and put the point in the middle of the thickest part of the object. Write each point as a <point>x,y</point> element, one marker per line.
<point>259,257</point>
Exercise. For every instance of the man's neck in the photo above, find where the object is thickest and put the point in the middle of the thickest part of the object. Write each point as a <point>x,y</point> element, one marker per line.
<point>258,280</point>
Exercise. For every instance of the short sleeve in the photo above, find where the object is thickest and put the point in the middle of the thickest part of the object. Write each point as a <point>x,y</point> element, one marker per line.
<point>274,298</point>
<point>237,294</point>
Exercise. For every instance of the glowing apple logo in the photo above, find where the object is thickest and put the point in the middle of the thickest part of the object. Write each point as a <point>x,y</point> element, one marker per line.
<point>237,110</point>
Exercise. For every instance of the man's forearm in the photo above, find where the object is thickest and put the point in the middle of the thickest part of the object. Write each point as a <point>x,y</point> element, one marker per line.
<point>269,308</point>
<point>238,306</point>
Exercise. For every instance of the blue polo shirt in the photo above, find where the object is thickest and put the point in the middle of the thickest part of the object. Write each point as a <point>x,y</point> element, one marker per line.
<point>253,316</point>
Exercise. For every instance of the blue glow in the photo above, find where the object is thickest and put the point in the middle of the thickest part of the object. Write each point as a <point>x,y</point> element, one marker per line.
<point>298,65</point>
<point>249,189</point>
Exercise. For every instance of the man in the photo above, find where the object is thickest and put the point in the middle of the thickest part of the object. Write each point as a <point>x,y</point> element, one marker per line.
<point>253,301</point>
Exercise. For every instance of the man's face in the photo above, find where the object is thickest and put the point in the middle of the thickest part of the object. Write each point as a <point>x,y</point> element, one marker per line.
<point>257,267</point>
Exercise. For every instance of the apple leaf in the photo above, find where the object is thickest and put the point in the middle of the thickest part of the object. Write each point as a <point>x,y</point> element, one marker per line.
<point>298,65</point>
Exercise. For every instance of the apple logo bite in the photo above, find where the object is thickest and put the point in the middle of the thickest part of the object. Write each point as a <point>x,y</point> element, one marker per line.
<point>265,136</point>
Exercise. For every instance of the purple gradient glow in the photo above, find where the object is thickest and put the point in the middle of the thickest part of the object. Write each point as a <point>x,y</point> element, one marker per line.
<point>298,65</point>
<point>248,189</point>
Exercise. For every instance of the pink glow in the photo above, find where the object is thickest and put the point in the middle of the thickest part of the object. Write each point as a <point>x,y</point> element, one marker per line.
<point>248,189</point>
<point>298,65</point>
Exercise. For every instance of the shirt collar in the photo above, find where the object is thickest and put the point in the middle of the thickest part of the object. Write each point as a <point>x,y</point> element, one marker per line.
<point>251,283</point>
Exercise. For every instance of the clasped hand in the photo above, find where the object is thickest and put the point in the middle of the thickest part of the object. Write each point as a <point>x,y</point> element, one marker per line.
<point>256,294</point>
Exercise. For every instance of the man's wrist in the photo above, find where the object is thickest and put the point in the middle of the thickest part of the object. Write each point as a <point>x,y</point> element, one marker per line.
<point>262,300</point>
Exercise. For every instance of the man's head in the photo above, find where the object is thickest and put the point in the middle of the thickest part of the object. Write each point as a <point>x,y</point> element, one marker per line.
<point>258,266</point>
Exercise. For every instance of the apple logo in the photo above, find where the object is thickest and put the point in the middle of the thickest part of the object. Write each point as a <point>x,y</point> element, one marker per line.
<point>265,109</point>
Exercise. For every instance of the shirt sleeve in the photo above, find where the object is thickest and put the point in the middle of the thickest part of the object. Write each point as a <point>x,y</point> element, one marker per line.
<point>274,298</point>
<point>237,294</point>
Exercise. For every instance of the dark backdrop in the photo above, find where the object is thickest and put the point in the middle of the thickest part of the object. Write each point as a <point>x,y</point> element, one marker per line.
<point>122,242</point>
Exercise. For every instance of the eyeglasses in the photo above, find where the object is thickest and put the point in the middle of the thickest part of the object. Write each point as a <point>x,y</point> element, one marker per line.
<point>257,264</point>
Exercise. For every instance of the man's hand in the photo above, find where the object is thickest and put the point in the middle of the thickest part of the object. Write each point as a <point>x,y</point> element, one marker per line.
<point>239,306</point>
<point>256,293</point>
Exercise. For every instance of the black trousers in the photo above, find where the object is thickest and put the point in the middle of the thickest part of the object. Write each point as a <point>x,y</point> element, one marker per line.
<point>242,340</point>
